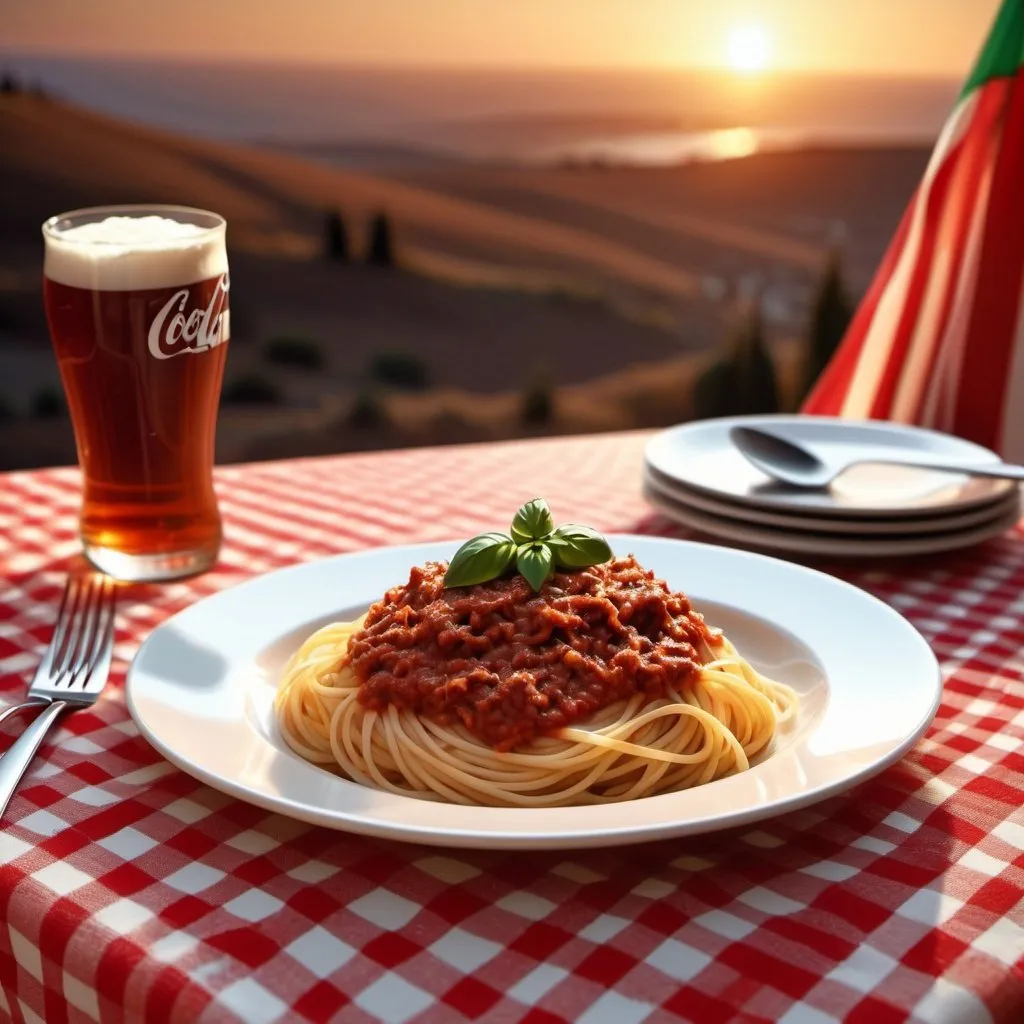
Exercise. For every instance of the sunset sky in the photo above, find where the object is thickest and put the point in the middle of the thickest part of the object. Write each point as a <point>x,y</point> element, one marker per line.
<point>929,37</point>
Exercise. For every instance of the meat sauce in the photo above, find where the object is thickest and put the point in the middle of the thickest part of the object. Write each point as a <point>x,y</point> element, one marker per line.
<point>511,664</point>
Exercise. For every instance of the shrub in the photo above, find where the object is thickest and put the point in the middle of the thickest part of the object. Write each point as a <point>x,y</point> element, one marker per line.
<point>251,389</point>
<point>48,404</point>
<point>450,423</point>
<point>538,403</point>
<point>9,318</point>
<point>294,350</point>
<point>400,370</point>
<point>367,412</point>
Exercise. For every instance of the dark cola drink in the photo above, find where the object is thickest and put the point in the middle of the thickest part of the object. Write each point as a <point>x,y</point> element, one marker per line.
<point>137,304</point>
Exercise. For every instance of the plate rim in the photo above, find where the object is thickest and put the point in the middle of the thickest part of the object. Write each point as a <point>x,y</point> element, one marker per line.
<point>837,511</point>
<point>607,836</point>
<point>833,546</point>
<point>874,527</point>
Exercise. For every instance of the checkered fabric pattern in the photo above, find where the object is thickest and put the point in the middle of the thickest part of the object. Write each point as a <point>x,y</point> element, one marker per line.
<point>130,891</point>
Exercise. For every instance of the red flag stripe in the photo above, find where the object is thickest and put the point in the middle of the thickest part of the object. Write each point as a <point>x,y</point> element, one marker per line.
<point>918,278</point>
<point>939,406</point>
<point>979,413</point>
<point>941,294</point>
<point>876,369</point>
<point>932,369</point>
<point>861,358</point>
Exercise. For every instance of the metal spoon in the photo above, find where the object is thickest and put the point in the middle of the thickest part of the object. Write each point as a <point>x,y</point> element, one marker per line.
<point>798,466</point>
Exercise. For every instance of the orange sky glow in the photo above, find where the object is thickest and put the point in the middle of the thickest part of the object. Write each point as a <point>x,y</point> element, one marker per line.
<point>913,37</point>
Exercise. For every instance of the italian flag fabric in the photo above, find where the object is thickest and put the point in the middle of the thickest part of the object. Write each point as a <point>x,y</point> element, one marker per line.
<point>939,337</point>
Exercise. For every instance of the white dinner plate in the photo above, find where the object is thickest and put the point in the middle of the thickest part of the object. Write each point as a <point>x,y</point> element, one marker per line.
<point>802,521</point>
<point>700,456</point>
<point>201,689</point>
<point>832,545</point>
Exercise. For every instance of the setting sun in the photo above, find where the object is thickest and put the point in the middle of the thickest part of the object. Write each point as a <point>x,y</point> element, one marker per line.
<point>749,48</point>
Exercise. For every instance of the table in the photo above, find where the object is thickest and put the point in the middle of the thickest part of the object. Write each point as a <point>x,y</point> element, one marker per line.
<point>129,891</point>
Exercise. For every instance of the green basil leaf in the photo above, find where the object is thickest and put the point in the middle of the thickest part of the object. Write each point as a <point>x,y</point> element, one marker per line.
<point>481,559</point>
<point>535,562</point>
<point>532,522</point>
<point>576,547</point>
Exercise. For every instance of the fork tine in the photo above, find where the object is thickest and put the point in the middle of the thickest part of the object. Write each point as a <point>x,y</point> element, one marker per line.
<point>103,633</point>
<point>50,664</point>
<point>90,633</point>
<point>98,646</point>
<point>77,633</point>
<point>99,663</point>
<point>79,623</point>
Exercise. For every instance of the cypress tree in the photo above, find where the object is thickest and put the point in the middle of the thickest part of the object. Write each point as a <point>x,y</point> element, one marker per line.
<point>758,391</point>
<point>831,313</point>
<point>537,407</point>
<point>743,381</point>
<point>336,247</point>
<point>380,249</point>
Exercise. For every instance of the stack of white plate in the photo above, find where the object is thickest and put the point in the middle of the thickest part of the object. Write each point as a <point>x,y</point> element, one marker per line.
<point>695,476</point>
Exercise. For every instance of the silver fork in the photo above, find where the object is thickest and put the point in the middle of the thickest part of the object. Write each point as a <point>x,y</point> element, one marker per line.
<point>72,673</point>
<point>45,666</point>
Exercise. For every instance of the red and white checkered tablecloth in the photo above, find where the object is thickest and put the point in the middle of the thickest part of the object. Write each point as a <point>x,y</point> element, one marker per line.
<point>130,891</point>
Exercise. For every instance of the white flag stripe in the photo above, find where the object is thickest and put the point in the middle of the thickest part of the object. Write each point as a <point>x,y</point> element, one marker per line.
<point>1012,446</point>
<point>916,370</point>
<point>873,359</point>
<point>873,355</point>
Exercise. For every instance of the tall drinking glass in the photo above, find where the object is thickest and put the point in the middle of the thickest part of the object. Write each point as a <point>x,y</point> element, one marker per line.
<point>137,304</point>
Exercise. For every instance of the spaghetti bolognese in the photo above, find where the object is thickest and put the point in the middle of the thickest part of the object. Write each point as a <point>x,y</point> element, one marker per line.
<point>599,684</point>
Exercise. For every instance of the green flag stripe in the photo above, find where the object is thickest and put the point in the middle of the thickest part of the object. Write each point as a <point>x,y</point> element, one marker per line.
<point>1003,54</point>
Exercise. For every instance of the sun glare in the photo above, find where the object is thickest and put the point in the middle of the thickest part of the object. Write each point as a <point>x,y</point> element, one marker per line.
<point>749,48</point>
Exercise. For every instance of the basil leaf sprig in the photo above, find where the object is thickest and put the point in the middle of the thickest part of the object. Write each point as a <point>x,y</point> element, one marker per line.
<point>532,544</point>
<point>576,547</point>
<point>535,563</point>
<point>481,559</point>
<point>532,522</point>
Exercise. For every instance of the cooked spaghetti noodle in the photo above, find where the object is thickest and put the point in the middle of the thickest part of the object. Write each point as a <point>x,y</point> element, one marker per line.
<point>692,727</point>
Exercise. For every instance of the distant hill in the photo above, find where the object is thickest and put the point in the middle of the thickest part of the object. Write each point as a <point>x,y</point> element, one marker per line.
<point>508,275</point>
<point>366,156</point>
<point>473,301</point>
<point>632,232</point>
<point>273,201</point>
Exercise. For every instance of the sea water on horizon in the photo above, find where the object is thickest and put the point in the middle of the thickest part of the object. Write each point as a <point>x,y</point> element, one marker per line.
<point>615,117</point>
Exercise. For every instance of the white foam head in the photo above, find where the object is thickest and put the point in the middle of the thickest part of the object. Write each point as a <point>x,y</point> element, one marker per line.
<point>131,253</point>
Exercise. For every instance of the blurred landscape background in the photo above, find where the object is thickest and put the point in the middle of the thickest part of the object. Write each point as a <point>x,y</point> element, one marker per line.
<point>454,221</point>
